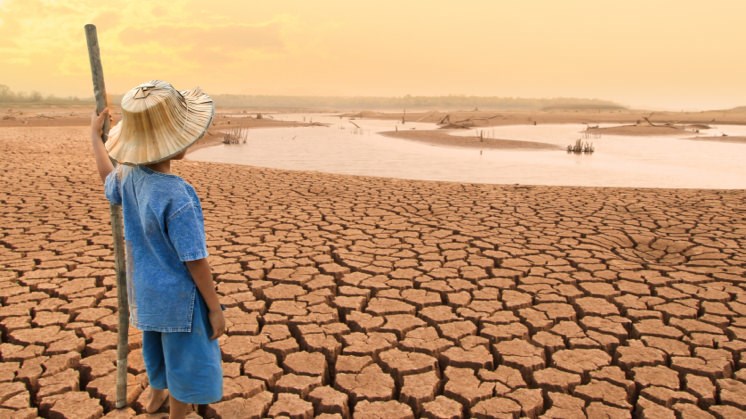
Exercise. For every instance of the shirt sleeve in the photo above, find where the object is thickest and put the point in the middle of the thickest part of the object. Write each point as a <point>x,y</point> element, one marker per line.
<point>186,230</point>
<point>111,188</point>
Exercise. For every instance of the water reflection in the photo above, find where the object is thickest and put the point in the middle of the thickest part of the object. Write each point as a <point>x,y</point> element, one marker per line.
<point>343,148</point>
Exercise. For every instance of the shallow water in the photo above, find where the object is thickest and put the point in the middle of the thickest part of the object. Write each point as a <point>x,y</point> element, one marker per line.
<point>628,161</point>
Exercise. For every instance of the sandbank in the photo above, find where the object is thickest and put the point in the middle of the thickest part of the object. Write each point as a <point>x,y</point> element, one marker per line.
<point>444,137</point>
<point>640,130</point>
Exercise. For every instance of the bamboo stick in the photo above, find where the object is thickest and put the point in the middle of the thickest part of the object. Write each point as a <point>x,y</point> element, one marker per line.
<point>99,90</point>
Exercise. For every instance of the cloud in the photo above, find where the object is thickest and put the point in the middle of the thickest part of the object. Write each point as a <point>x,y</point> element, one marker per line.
<point>108,19</point>
<point>175,51</point>
<point>139,40</point>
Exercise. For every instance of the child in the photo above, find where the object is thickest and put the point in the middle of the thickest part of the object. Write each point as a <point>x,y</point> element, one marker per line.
<point>172,296</point>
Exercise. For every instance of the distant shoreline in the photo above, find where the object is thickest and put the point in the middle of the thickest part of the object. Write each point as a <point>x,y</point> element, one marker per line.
<point>631,122</point>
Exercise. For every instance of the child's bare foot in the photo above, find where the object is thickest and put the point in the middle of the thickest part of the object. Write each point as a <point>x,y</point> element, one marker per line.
<point>157,398</point>
<point>193,412</point>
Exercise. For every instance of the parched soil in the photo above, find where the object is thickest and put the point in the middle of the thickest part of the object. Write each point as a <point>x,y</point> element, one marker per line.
<point>388,298</point>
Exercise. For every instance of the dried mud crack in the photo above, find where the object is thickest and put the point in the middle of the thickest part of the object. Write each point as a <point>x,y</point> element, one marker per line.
<point>367,297</point>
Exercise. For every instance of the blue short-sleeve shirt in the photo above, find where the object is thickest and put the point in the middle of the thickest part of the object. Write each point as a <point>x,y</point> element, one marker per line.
<point>163,228</point>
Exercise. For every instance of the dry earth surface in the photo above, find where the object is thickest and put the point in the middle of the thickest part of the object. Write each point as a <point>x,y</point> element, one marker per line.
<point>367,297</point>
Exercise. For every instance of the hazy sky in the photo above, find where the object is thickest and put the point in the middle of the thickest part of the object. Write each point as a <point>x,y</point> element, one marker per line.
<point>676,54</point>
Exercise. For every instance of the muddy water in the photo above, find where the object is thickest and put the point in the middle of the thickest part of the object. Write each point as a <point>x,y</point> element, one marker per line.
<point>628,161</point>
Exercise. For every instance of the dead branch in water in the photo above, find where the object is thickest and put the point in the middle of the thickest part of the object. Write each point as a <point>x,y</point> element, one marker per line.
<point>665,124</point>
<point>674,124</point>
<point>467,123</point>
<point>581,147</point>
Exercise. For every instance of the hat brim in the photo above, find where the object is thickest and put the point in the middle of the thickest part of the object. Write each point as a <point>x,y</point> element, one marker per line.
<point>165,134</point>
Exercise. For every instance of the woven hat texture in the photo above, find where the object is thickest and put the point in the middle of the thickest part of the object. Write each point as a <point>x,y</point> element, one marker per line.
<point>158,122</point>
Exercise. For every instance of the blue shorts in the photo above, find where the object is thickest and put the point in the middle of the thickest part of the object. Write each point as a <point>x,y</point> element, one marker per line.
<point>186,363</point>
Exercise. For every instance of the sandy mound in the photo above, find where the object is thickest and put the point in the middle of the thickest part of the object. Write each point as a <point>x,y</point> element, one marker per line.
<point>640,130</point>
<point>444,138</point>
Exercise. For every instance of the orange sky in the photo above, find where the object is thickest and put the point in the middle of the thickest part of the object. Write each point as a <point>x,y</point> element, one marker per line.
<point>674,54</point>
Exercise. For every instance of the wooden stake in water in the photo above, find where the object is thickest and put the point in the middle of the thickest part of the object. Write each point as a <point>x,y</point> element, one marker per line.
<point>99,91</point>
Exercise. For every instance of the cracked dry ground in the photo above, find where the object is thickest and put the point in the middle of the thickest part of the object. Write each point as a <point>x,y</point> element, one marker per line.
<point>365,297</point>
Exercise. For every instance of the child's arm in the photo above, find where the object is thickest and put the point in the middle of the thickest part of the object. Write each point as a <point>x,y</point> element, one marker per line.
<point>99,151</point>
<point>202,276</point>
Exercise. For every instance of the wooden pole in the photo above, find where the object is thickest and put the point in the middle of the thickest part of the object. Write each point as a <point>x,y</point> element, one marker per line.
<point>117,230</point>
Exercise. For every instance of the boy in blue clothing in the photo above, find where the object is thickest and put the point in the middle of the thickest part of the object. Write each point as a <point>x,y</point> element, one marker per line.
<point>171,293</point>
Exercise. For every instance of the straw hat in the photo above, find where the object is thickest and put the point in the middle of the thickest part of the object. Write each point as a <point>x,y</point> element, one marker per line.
<point>158,122</point>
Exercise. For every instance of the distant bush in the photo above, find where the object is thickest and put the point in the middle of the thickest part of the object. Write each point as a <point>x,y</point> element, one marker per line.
<point>290,103</point>
<point>581,147</point>
<point>236,136</point>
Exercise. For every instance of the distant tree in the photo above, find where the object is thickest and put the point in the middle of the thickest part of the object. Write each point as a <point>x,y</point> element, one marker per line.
<point>9,96</point>
<point>6,95</point>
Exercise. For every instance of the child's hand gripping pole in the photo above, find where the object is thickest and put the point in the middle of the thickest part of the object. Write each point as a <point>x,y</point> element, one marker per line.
<point>98,125</point>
